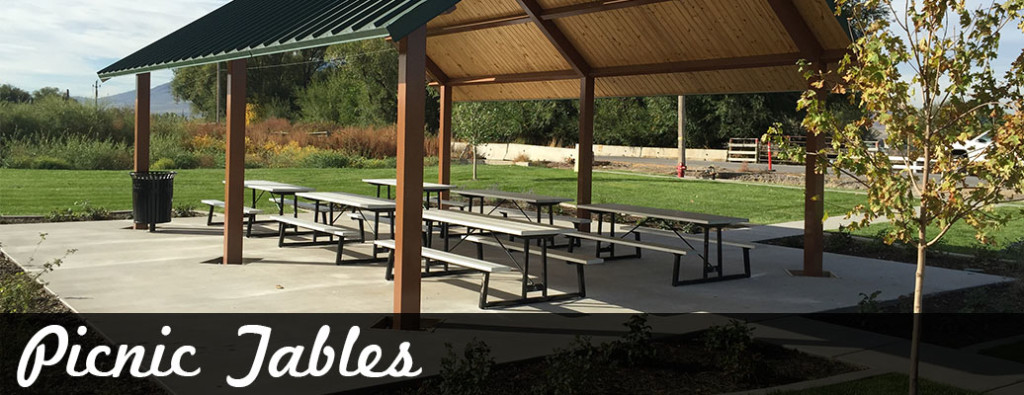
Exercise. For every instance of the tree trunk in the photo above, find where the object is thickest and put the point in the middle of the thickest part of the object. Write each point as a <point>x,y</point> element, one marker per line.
<point>915,340</point>
<point>474,162</point>
<point>922,250</point>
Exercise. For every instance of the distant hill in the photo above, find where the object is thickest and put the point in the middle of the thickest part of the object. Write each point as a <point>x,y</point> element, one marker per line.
<point>162,101</point>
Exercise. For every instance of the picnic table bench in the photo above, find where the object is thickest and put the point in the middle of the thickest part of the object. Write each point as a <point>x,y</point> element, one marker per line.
<point>526,231</point>
<point>249,213</point>
<point>358,205</point>
<point>484,267</point>
<point>317,228</point>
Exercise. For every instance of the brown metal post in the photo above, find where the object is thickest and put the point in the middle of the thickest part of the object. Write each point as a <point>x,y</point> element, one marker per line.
<point>444,139</point>
<point>412,54</point>
<point>142,127</point>
<point>585,156</point>
<point>234,195</point>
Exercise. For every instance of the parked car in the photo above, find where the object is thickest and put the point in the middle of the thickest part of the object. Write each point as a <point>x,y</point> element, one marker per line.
<point>974,149</point>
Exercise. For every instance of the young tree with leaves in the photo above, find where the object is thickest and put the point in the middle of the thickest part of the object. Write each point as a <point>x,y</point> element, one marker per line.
<point>929,77</point>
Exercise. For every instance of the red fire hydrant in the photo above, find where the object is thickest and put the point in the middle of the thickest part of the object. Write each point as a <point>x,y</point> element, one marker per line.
<point>681,170</point>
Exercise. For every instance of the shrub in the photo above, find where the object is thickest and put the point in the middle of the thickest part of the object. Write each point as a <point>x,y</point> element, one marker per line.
<point>185,210</point>
<point>50,163</point>
<point>466,374</point>
<point>868,303</point>
<point>728,345</point>
<point>164,164</point>
<point>327,159</point>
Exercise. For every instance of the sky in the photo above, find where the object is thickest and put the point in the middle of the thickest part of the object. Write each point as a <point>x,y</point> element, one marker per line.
<point>63,43</point>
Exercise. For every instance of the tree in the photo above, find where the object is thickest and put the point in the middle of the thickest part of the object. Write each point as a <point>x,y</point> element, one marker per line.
<point>273,82</point>
<point>928,76</point>
<point>45,93</point>
<point>478,123</point>
<point>12,94</point>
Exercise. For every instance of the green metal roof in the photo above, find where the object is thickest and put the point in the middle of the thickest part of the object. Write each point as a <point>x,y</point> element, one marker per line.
<point>247,28</point>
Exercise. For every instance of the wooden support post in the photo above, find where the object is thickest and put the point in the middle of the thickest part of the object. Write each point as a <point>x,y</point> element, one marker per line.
<point>814,201</point>
<point>142,127</point>
<point>412,54</point>
<point>681,113</point>
<point>585,156</point>
<point>234,194</point>
<point>814,210</point>
<point>444,139</point>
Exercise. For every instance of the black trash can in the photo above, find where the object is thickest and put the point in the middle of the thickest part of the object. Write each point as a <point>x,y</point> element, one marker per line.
<point>152,192</point>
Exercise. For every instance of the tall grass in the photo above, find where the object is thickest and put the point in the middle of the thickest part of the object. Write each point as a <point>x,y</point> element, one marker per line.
<point>53,118</point>
<point>54,134</point>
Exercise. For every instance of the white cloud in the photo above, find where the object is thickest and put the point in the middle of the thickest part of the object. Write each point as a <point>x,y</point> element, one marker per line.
<point>63,43</point>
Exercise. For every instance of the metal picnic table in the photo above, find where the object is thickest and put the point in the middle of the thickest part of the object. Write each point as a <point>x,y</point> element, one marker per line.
<point>493,225</point>
<point>538,201</point>
<point>276,188</point>
<point>356,203</point>
<point>428,188</point>
<point>705,221</point>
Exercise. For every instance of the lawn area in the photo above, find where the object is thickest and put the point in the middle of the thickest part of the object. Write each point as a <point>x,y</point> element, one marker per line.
<point>38,192</point>
<point>960,238</point>
<point>890,383</point>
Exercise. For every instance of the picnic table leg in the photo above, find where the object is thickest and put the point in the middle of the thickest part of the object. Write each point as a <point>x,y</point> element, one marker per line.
<point>280,206</point>
<point>253,198</point>
<point>719,251</point>
<point>544,264</point>
<point>707,249</point>
<point>378,190</point>
<point>526,265</point>
<point>295,204</point>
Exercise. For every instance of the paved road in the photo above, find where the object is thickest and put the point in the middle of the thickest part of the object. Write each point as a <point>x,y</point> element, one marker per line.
<point>699,164</point>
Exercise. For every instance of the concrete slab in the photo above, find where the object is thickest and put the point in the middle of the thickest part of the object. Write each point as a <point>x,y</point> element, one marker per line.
<point>121,270</point>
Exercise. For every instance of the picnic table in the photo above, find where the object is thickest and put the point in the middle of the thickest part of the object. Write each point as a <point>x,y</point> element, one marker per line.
<point>527,231</point>
<point>279,189</point>
<point>428,188</point>
<point>705,221</point>
<point>358,204</point>
<point>538,201</point>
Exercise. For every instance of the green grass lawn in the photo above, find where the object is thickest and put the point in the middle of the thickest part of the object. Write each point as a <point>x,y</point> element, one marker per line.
<point>890,383</point>
<point>38,192</point>
<point>960,238</point>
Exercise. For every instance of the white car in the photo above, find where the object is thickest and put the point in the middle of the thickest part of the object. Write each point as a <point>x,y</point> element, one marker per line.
<point>974,149</point>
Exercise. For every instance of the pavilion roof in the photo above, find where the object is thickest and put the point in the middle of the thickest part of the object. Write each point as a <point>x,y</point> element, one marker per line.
<point>537,49</point>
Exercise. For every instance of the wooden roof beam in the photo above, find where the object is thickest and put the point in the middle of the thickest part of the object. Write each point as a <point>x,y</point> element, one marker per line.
<point>690,66</point>
<point>797,27</point>
<point>554,13</point>
<point>556,37</point>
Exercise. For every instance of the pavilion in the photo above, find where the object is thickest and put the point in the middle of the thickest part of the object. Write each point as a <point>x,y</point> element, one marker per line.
<point>477,50</point>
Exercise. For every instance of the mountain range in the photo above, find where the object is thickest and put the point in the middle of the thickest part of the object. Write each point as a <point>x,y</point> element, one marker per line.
<point>161,101</point>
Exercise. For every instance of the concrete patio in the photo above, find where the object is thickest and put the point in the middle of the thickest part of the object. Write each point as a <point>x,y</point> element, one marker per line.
<point>120,270</point>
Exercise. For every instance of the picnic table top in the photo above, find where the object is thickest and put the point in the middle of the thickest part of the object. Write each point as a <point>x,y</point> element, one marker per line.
<point>350,200</point>
<point>391,182</point>
<point>276,187</point>
<point>672,215</point>
<point>522,197</point>
<point>495,224</point>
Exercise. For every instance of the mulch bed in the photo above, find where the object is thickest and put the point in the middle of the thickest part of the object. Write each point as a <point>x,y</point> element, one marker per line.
<point>681,365</point>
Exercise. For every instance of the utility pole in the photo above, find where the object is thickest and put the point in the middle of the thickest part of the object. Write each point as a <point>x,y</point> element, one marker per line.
<point>681,168</point>
<point>96,93</point>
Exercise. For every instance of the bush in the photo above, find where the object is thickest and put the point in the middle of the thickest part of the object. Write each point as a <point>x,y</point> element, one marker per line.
<point>164,164</point>
<point>50,163</point>
<point>466,374</point>
<point>729,345</point>
<point>327,159</point>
